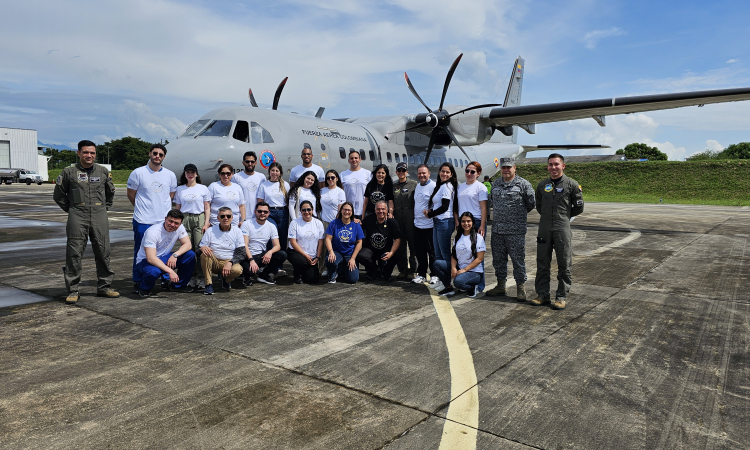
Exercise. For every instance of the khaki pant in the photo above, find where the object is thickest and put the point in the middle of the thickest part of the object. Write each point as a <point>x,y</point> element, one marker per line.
<point>210,264</point>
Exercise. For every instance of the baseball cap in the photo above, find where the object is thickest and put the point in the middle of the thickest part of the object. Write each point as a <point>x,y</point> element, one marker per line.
<point>190,166</point>
<point>507,162</point>
<point>401,165</point>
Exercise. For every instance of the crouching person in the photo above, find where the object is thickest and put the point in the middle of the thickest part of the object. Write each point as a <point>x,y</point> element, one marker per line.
<point>155,257</point>
<point>259,258</point>
<point>222,247</point>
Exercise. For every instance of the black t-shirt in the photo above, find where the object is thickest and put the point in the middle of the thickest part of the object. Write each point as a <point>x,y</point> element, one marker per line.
<point>379,236</point>
<point>376,194</point>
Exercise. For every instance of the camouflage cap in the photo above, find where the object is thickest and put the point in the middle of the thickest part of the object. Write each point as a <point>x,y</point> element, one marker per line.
<point>507,162</point>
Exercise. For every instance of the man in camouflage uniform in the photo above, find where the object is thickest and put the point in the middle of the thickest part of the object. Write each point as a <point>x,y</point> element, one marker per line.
<point>512,200</point>
<point>85,191</point>
<point>558,198</point>
<point>403,201</point>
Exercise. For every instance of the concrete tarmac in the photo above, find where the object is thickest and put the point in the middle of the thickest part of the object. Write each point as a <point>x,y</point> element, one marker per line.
<point>650,353</point>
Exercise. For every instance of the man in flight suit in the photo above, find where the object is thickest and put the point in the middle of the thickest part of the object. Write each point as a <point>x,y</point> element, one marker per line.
<point>558,198</point>
<point>86,192</point>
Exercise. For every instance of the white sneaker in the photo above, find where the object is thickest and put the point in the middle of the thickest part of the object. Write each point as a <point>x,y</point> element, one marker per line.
<point>193,281</point>
<point>325,273</point>
<point>419,279</point>
<point>201,283</point>
<point>434,280</point>
<point>438,287</point>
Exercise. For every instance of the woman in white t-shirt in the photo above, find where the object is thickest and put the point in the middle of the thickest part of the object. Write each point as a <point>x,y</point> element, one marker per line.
<point>226,193</point>
<point>472,197</point>
<point>467,260</point>
<point>305,244</point>
<point>331,198</point>
<point>305,188</point>
<point>442,206</point>
<point>194,200</point>
<point>274,191</point>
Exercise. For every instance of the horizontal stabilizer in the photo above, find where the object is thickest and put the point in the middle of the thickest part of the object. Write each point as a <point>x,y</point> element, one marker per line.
<point>531,148</point>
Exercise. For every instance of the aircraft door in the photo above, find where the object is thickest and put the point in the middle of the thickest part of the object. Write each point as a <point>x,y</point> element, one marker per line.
<point>373,153</point>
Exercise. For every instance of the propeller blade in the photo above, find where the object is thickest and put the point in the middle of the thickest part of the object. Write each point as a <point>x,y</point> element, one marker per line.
<point>475,107</point>
<point>448,80</point>
<point>252,98</point>
<point>413,91</point>
<point>453,137</point>
<point>277,95</point>
<point>411,127</point>
<point>431,144</point>
<point>319,114</point>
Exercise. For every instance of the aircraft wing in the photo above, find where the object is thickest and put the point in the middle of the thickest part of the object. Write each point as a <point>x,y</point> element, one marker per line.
<point>556,112</point>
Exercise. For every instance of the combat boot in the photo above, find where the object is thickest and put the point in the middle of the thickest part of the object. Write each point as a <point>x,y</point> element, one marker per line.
<point>559,303</point>
<point>540,301</point>
<point>497,291</point>
<point>520,292</point>
<point>107,292</point>
<point>72,298</point>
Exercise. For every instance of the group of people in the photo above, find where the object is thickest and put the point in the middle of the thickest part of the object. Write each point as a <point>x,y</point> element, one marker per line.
<point>326,224</point>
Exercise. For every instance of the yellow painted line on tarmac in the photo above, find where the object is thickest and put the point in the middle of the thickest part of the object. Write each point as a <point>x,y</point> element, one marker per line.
<point>460,430</point>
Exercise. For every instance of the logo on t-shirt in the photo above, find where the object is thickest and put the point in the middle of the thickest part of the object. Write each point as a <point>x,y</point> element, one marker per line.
<point>231,195</point>
<point>345,235</point>
<point>188,198</point>
<point>462,250</point>
<point>378,241</point>
<point>252,186</point>
<point>157,187</point>
<point>310,236</point>
<point>377,196</point>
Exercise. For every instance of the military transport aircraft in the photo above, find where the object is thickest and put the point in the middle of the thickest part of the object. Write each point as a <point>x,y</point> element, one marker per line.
<point>456,134</point>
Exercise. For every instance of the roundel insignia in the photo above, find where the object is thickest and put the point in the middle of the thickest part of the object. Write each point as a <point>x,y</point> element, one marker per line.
<point>267,158</point>
<point>497,163</point>
<point>548,188</point>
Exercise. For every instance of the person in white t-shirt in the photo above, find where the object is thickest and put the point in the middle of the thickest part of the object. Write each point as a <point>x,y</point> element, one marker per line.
<point>264,256</point>
<point>306,245</point>
<point>466,267</point>
<point>274,192</point>
<point>193,199</point>
<point>423,244</point>
<point>250,181</point>
<point>355,181</point>
<point>222,248</point>
<point>155,257</point>
<point>150,190</point>
<point>442,207</point>
<point>307,165</point>
<point>472,197</point>
<point>305,188</point>
<point>226,193</point>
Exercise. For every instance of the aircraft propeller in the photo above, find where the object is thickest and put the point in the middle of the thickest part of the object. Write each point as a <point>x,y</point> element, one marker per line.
<point>438,119</point>
<point>276,96</point>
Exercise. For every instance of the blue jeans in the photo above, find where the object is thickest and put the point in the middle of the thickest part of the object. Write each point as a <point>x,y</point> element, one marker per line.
<point>280,219</point>
<point>341,266</point>
<point>139,229</point>
<point>441,237</point>
<point>147,274</point>
<point>463,281</point>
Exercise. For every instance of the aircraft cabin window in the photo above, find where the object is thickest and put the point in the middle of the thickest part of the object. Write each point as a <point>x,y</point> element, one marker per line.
<point>432,161</point>
<point>342,152</point>
<point>362,155</point>
<point>403,157</point>
<point>194,128</point>
<point>461,161</point>
<point>217,128</point>
<point>323,147</point>
<point>242,131</point>
<point>372,155</point>
<point>388,155</point>
<point>259,134</point>
<point>397,158</point>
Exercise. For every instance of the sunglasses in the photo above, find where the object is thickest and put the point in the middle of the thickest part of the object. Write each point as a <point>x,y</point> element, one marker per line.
<point>226,174</point>
<point>261,211</point>
<point>330,178</point>
<point>160,155</point>
<point>249,161</point>
<point>307,154</point>
<point>225,216</point>
<point>401,170</point>
<point>470,171</point>
<point>306,210</point>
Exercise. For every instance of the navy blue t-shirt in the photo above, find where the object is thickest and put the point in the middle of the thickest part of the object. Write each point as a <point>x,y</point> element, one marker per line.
<point>344,236</point>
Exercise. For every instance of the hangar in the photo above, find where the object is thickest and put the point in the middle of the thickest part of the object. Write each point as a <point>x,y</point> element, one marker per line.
<point>18,149</point>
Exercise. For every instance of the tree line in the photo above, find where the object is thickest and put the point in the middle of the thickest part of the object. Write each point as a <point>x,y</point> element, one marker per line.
<point>127,153</point>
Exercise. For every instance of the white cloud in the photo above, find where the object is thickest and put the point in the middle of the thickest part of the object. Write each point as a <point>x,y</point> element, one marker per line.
<point>592,38</point>
<point>714,145</point>
<point>732,61</point>
<point>137,119</point>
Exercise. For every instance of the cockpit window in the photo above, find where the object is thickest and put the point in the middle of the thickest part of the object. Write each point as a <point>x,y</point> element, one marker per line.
<point>217,128</point>
<point>259,134</point>
<point>194,128</point>
<point>242,131</point>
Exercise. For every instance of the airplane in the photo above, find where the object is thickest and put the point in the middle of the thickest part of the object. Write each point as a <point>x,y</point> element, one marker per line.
<point>456,134</point>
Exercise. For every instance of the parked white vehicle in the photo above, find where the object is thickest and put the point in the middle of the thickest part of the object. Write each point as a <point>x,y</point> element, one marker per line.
<point>9,176</point>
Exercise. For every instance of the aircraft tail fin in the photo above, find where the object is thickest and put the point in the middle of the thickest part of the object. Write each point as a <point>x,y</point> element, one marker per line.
<point>513,94</point>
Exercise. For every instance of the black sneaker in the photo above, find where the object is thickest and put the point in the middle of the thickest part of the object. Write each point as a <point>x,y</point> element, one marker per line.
<point>472,292</point>
<point>144,293</point>
<point>247,281</point>
<point>225,284</point>
<point>136,289</point>
<point>447,292</point>
<point>298,280</point>
<point>266,279</point>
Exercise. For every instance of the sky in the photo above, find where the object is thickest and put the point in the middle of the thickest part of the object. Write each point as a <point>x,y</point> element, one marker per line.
<point>81,69</point>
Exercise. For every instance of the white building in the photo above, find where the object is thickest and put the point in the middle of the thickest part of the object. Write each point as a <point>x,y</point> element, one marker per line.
<point>18,149</point>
